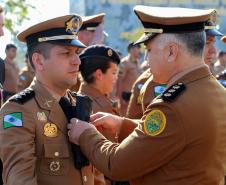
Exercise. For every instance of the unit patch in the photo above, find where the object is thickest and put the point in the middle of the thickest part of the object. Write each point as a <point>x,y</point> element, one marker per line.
<point>155,123</point>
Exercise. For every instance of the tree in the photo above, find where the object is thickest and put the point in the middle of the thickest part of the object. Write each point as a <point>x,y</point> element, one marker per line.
<point>16,12</point>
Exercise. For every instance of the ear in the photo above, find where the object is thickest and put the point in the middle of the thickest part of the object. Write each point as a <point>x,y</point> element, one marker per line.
<point>38,61</point>
<point>172,51</point>
<point>98,74</point>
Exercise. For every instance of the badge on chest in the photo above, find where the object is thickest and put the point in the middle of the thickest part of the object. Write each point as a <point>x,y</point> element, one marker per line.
<point>50,130</point>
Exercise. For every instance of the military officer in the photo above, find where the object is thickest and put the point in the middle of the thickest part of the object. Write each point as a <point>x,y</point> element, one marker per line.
<point>26,76</point>
<point>134,110</point>
<point>181,138</point>
<point>91,32</point>
<point>129,71</point>
<point>99,69</point>
<point>34,146</point>
<point>151,89</point>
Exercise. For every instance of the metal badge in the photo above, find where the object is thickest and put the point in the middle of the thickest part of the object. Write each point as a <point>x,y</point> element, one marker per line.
<point>50,130</point>
<point>110,53</point>
<point>73,25</point>
<point>41,116</point>
<point>54,166</point>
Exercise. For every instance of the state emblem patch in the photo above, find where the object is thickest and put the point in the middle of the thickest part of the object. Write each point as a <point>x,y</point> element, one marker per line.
<point>155,123</point>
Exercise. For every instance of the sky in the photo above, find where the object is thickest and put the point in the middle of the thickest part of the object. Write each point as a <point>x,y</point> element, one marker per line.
<point>44,9</point>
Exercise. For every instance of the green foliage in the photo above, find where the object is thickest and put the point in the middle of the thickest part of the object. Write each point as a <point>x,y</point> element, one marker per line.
<point>133,35</point>
<point>15,12</point>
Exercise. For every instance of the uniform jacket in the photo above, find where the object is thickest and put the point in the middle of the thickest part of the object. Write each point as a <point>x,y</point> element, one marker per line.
<point>134,109</point>
<point>37,150</point>
<point>189,147</point>
<point>129,71</point>
<point>101,103</point>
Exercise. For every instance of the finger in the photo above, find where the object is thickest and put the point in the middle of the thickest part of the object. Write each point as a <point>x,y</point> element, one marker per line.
<point>96,116</point>
<point>99,122</point>
<point>69,126</point>
<point>73,120</point>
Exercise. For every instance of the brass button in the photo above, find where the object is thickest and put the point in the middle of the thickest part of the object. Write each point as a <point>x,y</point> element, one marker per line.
<point>56,154</point>
<point>54,166</point>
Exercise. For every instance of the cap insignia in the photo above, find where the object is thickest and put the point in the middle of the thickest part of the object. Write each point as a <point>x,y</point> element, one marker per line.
<point>73,25</point>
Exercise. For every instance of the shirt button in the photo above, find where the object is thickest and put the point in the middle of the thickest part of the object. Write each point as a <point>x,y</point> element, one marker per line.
<point>56,154</point>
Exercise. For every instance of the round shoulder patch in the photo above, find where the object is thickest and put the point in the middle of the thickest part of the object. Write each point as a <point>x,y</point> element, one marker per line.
<point>155,123</point>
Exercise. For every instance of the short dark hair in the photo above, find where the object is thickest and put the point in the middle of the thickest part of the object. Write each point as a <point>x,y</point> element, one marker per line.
<point>41,48</point>
<point>194,41</point>
<point>90,65</point>
<point>9,46</point>
<point>132,45</point>
<point>221,53</point>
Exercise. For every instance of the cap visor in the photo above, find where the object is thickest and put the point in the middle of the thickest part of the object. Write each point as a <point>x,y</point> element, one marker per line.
<point>213,32</point>
<point>145,37</point>
<point>74,42</point>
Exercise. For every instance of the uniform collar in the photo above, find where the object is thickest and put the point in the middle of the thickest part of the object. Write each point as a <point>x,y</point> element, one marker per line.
<point>91,91</point>
<point>183,73</point>
<point>191,75</point>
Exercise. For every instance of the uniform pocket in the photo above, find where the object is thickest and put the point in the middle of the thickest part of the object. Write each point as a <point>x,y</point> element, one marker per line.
<point>55,160</point>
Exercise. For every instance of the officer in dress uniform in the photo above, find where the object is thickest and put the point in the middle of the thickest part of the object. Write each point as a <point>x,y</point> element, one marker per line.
<point>134,110</point>
<point>129,71</point>
<point>34,145</point>
<point>181,136</point>
<point>91,32</point>
<point>149,89</point>
<point>99,69</point>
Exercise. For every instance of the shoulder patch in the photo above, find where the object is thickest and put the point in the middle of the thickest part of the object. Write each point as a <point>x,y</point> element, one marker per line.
<point>155,123</point>
<point>23,96</point>
<point>13,120</point>
<point>159,89</point>
<point>173,92</point>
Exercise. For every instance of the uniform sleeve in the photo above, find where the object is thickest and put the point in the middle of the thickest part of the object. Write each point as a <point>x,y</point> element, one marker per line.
<point>140,153</point>
<point>17,145</point>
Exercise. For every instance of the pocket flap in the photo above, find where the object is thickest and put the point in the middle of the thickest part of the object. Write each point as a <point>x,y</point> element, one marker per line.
<point>56,151</point>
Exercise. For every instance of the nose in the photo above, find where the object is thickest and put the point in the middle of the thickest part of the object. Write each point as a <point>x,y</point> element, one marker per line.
<point>75,60</point>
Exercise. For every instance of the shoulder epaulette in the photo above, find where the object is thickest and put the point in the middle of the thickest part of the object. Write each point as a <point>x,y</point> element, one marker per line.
<point>23,96</point>
<point>173,92</point>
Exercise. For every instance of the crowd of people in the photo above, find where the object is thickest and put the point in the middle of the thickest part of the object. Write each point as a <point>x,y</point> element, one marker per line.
<point>158,120</point>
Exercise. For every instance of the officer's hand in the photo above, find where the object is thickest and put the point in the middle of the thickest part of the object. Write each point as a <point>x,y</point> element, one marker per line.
<point>106,121</point>
<point>75,128</point>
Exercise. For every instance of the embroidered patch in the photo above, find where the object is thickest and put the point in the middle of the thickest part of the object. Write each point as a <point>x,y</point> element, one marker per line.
<point>13,120</point>
<point>159,89</point>
<point>155,123</point>
<point>50,130</point>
